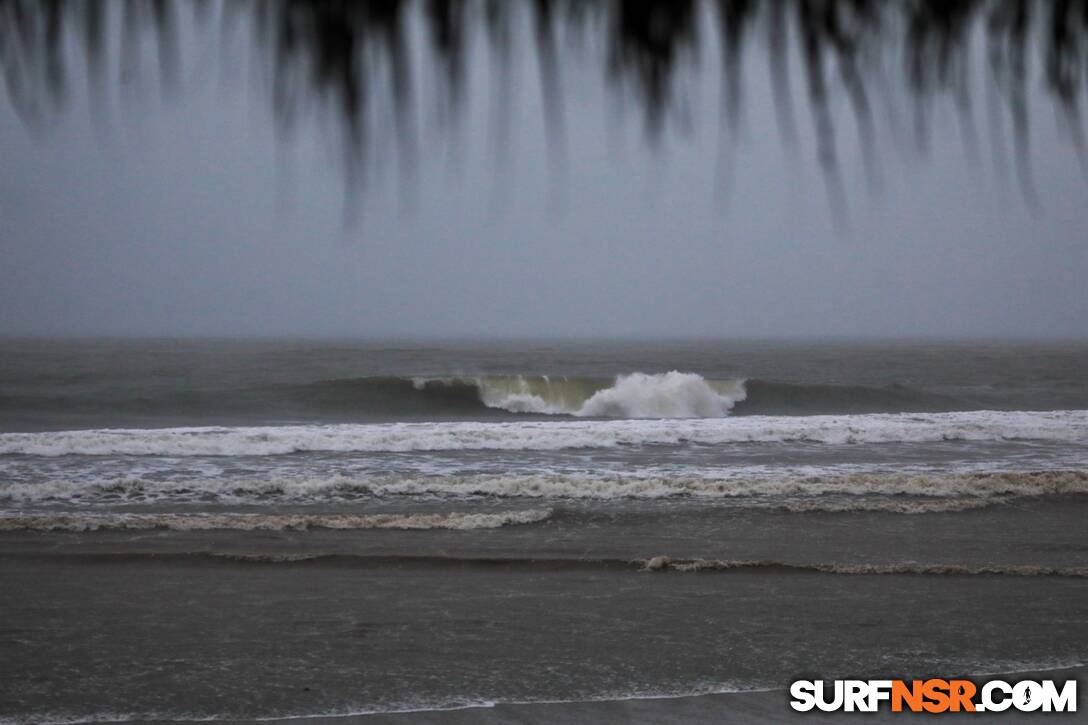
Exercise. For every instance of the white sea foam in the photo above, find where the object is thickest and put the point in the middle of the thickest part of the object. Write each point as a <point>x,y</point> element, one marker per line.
<point>268,522</point>
<point>1068,426</point>
<point>668,395</point>
<point>638,395</point>
<point>941,492</point>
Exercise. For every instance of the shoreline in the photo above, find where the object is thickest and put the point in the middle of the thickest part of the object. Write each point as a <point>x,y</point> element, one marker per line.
<point>738,707</point>
<point>729,707</point>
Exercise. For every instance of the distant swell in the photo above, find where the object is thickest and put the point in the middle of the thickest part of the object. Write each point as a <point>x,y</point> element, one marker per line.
<point>765,397</point>
<point>268,522</point>
<point>1068,426</point>
<point>673,394</point>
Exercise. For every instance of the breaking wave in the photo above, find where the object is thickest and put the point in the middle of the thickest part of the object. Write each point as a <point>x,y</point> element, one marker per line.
<point>671,394</point>
<point>1067,426</point>
<point>269,522</point>
<point>638,395</point>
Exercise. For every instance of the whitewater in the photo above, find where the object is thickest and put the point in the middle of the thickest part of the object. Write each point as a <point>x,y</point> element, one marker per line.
<point>1061,425</point>
<point>637,395</point>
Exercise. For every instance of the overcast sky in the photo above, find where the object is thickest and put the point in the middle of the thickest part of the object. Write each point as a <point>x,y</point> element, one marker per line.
<point>190,215</point>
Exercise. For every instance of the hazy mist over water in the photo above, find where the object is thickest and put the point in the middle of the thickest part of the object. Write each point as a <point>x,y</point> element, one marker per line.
<point>647,169</point>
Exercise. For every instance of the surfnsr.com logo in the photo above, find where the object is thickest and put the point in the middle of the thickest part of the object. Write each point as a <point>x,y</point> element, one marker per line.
<point>933,696</point>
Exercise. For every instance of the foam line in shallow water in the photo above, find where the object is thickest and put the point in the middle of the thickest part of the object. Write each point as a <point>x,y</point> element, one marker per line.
<point>269,522</point>
<point>666,563</point>
<point>661,563</point>
<point>901,492</point>
<point>1067,425</point>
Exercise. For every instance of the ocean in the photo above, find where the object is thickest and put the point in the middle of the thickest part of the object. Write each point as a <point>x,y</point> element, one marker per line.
<point>265,529</point>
